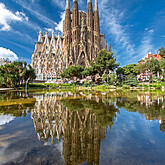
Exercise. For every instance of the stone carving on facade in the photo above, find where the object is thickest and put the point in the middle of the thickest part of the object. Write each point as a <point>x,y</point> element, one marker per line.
<point>47,59</point>
<point>79,45</point>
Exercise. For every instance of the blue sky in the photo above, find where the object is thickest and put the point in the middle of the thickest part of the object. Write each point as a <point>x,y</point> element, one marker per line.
<point>133,27</point>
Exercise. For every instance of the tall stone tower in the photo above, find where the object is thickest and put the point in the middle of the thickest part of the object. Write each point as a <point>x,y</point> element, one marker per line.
<point>75,32</point>
<point>82,35</point>
<point>96,30</point>
<point>90,29</point>
<point>67,34</point>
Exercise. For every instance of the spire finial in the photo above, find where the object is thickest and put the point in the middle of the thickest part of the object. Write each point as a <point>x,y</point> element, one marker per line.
<point>74,0</point>
<point>106,46</point>
<point>96,5</point>
<point>110,48</point>
<point>67,4</point>
<point>40,37</point>
<point>90,1</point>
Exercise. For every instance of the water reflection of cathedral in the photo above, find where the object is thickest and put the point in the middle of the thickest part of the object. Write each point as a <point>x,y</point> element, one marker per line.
<point>79,130</point>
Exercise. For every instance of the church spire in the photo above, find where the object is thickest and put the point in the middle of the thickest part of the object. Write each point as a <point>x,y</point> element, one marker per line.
<point>96,29</point>
<point>96,18</point>
<point>89,14</point>
<point>52,40</point>
<point>40,37</point>
<point>67,21</point>
<point>67,4</point>
<point>96,5</point>
<point>110,48</point>
<point>106,46</point>
<point>46,39</point>
<point>75,16</point>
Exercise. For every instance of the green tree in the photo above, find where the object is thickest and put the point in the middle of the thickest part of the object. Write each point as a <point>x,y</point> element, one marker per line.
<point>152,66</point>
<point>29,74</point>
<point>110,78</point>
<point>162,67</point>
<point>105,62</point>
<point>162,64</point>
<point>15,74</point>
<point>131,80</point>
<point>2,81</point>
<point>162,52</point>
<point>127,70</point>
<point>72,71</point>
<point>120,71</point>
<point>90,71</point>
<point>130,69</point>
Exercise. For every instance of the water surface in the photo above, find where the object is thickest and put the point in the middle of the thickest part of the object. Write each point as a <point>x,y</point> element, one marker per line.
<point>85,127</point>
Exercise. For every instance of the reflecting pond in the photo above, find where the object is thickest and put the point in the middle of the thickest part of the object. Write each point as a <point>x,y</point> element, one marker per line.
<point>82,127</point>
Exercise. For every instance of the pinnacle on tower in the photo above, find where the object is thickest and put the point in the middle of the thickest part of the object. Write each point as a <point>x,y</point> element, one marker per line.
<point>75,16</point>
<point>106,46</point>
<point>40,37</point>
<point>96,18</point>
<point>89,14</point>
<point>110,48</point>
<point>96,5</point>
<point>67,4</point>
<point>53,39</point>
<point>46,39</point>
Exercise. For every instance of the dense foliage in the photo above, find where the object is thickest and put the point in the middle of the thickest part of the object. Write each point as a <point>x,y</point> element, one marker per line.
<point>72,71</point>
<point>151,66</point>
<point>127,70</point>
<point>162,52</point>
<point>105,62</point>
<point>16,74</point>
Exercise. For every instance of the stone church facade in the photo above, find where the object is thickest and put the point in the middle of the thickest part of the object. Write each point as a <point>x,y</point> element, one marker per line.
<point>79,45</point>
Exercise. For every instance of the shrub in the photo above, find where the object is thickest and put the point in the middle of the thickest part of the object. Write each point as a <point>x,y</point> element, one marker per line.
<point>132,82</point>
<point>86,84</point>
<point>126,87</point>
<point>2,81</point>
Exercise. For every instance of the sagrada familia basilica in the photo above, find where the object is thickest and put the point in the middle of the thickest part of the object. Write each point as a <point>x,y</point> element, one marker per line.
<point>79,45</point>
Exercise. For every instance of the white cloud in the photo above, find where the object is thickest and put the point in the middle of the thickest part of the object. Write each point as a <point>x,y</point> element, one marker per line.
<point>7,17</point>
<point>59,3</point>
<point>59,26</point>
<point>4,119</point>
<point>146,43</point>
<point>49,30</point>
<point>7,53</point>
<point>112,24</point>
<point>35,10</point>
<point>149,30</point>
<point>20,14</point>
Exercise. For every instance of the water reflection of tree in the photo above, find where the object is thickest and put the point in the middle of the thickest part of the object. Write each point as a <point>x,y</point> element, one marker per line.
<point>102,108</point>
<point>80,122</point>
<point>16,103</point>
<point>152,107</point>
